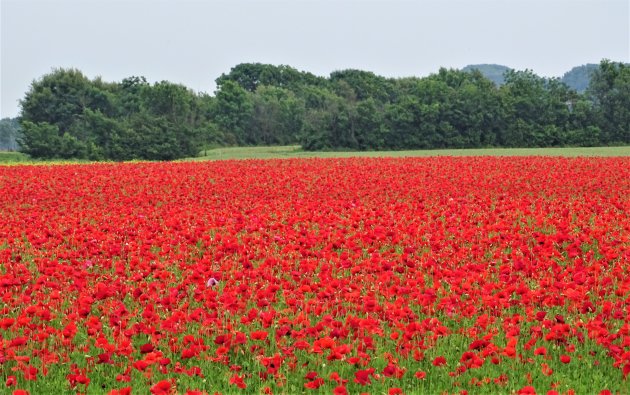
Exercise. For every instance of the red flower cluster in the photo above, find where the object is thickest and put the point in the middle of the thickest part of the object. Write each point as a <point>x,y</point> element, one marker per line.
<point>336,274</point>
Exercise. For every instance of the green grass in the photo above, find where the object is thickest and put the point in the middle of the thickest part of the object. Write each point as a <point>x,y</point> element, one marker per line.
<point>294,151</point>
<point>13,157</point>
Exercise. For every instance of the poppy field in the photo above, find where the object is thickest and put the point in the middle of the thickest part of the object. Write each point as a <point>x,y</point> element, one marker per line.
<point>343,276</point>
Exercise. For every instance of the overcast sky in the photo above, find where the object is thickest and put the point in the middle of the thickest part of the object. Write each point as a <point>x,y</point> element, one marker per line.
<point>193,42</point>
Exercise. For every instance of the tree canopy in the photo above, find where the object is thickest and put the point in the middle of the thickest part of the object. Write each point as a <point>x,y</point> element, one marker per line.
<point>67,115</point>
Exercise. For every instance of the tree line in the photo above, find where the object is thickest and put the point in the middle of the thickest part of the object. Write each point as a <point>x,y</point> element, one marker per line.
<point>66,115</point>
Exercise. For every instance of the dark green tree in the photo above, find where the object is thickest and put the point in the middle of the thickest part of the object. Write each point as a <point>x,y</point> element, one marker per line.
<point>40,140</point>
<point>610,93</point>
<point>364,84</point>
<point>233,113</point>
<point>65,114</point>
<point>130,95</point>
<point>538,110</point>
<point>330,121</point>
<point>277,116</point>
<point>370,134</point>
<point>60,97</point>
<point>250,76</point>
<point>57,103</point>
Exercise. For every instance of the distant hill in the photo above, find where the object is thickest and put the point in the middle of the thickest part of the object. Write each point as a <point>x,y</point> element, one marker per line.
<point>493,72</point>
<point>579,77</point>
<point>9,134</point>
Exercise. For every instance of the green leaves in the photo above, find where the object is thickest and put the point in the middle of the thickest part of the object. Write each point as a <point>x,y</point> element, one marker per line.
<point>610,92</point>
<point>40,140</point>
<point>67,115</point>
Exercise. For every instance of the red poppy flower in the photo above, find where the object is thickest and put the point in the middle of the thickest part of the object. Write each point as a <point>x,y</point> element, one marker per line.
<point>363,376</point>
<point>540,351</point>
<point>315,383</point>
<point>258,335</point>
<point>238,381</point>
<point>348,263</point>
<point>163,387</point>
<point>146,348</point>
<point>11,381</point>
<point>527,390</point>
<point>439,361</point>
<point>340,390</point>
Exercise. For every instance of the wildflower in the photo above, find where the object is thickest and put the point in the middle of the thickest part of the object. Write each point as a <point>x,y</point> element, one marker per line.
<point>161,387</point>
<point>527,390</point>
<point>439,361</point>
<point>363,376</point>
<point>11,381</point>
<point>212,282</point>
<point>315,384</point>
<point>340,390</point>
<point>238,381</point>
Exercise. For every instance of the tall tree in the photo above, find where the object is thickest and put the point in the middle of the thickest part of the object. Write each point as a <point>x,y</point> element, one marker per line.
<point>65,114</point>
<point>538,110</point>
<point>277,116</point>
<point>41,140</point>
<point>60,97</point>
<point>329,121</point>
<point>364,84</point>
<point>252,75</point>
<point>233,112</point>
<point>58,102</point>
<point>610,92</point>
<point>370,132</point>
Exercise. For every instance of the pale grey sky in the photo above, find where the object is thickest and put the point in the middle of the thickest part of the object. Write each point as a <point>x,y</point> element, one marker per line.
<point>193,42</point>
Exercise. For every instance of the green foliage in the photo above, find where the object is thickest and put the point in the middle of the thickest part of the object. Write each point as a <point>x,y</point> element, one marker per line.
<point>538,110</point>
<point>250,76</point>
<point>610,92</point>
<point>233,112</point>
<point>276,118</point>
<point>66,115</point>
<point>57,98</point>
<point>361,85</point>
<point>40,140</point>
<point>369,124</point>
